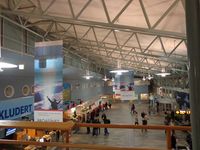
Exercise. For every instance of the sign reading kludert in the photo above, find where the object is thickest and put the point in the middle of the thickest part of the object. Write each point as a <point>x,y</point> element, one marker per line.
<point>16,108</point>
<point>48,88</point>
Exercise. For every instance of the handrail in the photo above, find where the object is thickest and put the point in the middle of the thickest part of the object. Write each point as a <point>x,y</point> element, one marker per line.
<point>168,129</point>
<point>37,125</point>
<point>68,125</point>
<point>64,145</point>
<point>125,126</point>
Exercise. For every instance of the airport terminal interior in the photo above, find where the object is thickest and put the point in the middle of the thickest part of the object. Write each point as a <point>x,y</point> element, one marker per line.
<point>98,74</point>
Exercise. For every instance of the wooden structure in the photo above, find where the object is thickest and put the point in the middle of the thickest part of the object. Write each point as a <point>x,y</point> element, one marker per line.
<point>65,127</point>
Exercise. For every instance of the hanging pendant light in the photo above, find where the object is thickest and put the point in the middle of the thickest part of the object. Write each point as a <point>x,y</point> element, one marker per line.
<point>149,77</point>
<point>105,78</point>
<point>119,71</point>
<point>87,75</point>
<point>163,73</point>
<point>143,78</point>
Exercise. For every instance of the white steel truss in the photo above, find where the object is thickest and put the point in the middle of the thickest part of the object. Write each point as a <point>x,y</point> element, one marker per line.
<point>134,31</point>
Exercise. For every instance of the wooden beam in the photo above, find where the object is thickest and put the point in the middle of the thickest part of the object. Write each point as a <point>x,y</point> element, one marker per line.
<point>37,125</point>
<point>60,144</point>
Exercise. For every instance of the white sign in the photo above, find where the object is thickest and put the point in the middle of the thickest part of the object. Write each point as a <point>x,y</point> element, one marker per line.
<point>127,95</point>
<point>48,116</point>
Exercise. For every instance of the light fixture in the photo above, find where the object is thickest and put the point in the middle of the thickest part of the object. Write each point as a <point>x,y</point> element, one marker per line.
<point>21,66</point>
<point>105,78</point>
<point>7,65</point>
<point>149,77</point>
<point>113,79</point>
<point>163,73</point>
<point>87,76</point>
<point>119,71</point>
<point>143,78</point>
<point>116,30</point>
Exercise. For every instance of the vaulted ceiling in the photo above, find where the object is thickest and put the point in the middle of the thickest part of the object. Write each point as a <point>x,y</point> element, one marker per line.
<point>144,35</point>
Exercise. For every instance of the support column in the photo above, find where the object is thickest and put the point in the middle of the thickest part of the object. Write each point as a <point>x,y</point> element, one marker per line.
<point>67,139</point>
<point>168,136</point>
<point>193,45</point>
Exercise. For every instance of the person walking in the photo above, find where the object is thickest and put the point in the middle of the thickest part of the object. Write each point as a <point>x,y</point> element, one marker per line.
<point>133,109</point>
<point>88,128</point>
<point>103,116</point>
<point>144,120</point>
<point>173,141</point>
<point>136,119</point>
<point>106,121</point>
<point>95,129</point>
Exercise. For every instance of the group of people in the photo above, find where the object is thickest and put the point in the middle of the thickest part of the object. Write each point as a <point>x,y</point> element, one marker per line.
<point>96,120</point>
<point>143,116</point>
<point>94,117</point>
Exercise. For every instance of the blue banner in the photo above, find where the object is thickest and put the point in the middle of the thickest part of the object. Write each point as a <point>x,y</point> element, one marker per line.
<point>16,108</point>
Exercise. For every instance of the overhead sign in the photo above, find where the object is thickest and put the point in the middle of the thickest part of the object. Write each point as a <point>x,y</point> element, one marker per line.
<point>16,108</point>
<point>126,95</point>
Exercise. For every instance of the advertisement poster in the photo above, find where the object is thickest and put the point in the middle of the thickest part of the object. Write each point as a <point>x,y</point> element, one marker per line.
<point>123,86</point>
<point>48,87</point>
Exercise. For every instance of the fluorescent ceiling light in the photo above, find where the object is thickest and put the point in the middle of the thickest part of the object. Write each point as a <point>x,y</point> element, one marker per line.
<point>7,65</point>
<point>163,74</point>
<point>1,70</point>
<point>21,67</point>
<point>119,71</point>
<point>87,77</point>
<point>145,67</point>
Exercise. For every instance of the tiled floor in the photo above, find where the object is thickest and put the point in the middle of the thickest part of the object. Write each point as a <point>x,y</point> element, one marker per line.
<point>120,113</point>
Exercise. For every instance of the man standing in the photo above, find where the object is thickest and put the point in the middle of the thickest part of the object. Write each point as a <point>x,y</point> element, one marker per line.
<point>106,121</point>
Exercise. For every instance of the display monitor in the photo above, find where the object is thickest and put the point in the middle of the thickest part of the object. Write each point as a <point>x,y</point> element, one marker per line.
<point>10,131</point>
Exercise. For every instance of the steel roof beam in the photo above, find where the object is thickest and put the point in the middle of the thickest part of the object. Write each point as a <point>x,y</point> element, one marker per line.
<point>100,24</point>
<point>106,11</point>
<point>161,57</point>
<point>84,7</point>
<point>144,50</point>
<point>165,14</point>
<point>71,8</point>
<point>142,55</point>
<point>121,11</point>
<point>50,4</point>
<point>145,14</point>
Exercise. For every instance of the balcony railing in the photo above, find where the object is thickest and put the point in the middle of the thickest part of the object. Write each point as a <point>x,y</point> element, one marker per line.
<point>67,126</point>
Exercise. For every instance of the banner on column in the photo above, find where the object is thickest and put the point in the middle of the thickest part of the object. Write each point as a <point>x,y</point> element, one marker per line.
<point>48,89</point>
<point>66,95</point>
<point>123,86</point>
